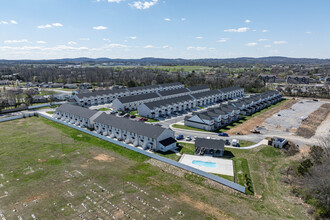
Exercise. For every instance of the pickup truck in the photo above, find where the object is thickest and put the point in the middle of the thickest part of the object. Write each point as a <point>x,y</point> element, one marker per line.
<point>223,134</point>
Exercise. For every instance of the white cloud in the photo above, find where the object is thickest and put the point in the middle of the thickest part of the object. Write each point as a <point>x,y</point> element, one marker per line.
<point>143,5</point>
<point>13,22</point>
<point>3,22</point>
<point>165,46</point>
<point>86,38</point>
<point>117,46</point>
<point>223,40</point>
<point>199,37</point>
<point>167,19</point>
<point>268,46</point>
<point>199,48</point>
<point>263,40</point>
<point>183,19</point>
<point>247,21</point>
<point>44,26</point>
<point>308,32</point>
<point>280,42</point>
<point>15,41</point>
<point>132,37</point>
<point>72,43</point>
<point>116,1</point>
<point>57,25</point>
<point>264,31</point>
<point>251,44</point>
<point>239,30</point>
<point>107,39</point>
<point>41,42</point>
<point>149,46</point>
<point>100,28</point>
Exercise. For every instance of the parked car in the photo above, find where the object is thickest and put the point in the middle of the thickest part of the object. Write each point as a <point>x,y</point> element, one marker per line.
<point>227,142</point>
<point>188,138</point>
<point>132,116</point>
<point>113,112</point>
<point>121,113</point>
<point>126,115</point>
<point>234,142</point>
<point>179,137</point>
<point>208,137</point>
<point>195,137</point>
<point>223,134</point>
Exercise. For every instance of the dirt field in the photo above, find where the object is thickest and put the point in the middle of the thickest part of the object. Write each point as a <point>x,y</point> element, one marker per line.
<point>308,127</point>
<point>259,119</point>
<point>50,171</point>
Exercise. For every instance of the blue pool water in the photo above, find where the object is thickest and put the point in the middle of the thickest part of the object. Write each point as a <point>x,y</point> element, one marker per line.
<point>204,164</point>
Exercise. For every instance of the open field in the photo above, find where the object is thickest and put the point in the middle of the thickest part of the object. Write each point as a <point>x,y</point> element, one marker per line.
<point>54,172</point>
<point>308,127</point>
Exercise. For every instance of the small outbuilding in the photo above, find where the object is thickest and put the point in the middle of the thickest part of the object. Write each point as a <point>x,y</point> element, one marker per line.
<point>212,147</point>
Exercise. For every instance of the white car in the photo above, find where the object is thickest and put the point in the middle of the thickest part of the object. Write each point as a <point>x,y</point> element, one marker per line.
<point>188,138</point>
<point>208,137</point>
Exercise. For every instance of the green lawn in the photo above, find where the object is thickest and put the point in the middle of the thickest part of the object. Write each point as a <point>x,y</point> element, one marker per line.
<point>104,109</point>
<point>243,143</point>
<point>37,155</point>
<point>230,178</point>
<point>134,113</point>
<point>50,112</point>
<point>187,128</point>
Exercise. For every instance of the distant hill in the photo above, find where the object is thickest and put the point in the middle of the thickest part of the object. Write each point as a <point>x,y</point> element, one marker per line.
<point>164,61</point>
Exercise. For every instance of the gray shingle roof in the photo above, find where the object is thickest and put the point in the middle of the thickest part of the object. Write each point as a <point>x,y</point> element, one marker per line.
<point>171,84</point>
<point>101,93</point>
<point>173,92</point>
<point>135,98</point>
<point>155,104</point>
<point>229,89</point>
<point>206,94</point>
<point>196,88</point>
<point>131,89</point>
<point>210,143</point>
<point>136,127</point>
<point>77,110</point>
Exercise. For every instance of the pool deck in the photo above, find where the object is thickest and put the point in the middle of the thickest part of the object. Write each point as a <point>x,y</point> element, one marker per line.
<point>224,166</point>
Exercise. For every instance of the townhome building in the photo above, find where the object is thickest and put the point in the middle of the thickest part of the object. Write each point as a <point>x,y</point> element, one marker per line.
<point>76,115</point>
<point>147,136</point>
<point>224,114</point>
<point>232,92</point>
<point>144,89</point>
<point>131,102</point>
<point>100,97</point>
<point>166,106</point>
<point>207,97</point>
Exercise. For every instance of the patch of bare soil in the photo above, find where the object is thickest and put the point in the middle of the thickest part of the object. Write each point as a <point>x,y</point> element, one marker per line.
<point>308,127</point>
<point>203,207</point>
<point>259,120</point>
<point>104,158</point>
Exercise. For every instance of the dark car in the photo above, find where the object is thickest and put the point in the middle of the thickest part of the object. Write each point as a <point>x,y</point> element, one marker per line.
<point>121,113</point>
<point>126,115</point>
<point>227,142</point>
<point>132,116</point>
<point>223,134</point>
<point>179,137</point>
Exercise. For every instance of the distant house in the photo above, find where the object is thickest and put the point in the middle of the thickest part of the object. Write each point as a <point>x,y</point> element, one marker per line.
<point>40,99</point>
<point>80,91</point>
<point>70,86</point>
<point>133,101</point>
<point>85,86</point>
<point>298,79</point>
<point>278,142</point>
<point>212,147</point>
<point>268,78</point>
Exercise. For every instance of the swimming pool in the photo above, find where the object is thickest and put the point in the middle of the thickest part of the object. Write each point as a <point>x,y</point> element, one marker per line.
<point>204,164</point>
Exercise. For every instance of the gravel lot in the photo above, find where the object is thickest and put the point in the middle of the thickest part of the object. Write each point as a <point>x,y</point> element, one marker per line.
<point>292,118</point>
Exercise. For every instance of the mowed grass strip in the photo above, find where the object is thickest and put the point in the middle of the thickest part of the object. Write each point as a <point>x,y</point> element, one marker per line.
<point>81,136</point>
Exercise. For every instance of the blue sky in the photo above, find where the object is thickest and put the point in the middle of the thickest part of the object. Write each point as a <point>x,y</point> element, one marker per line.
<point>47,29</point>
